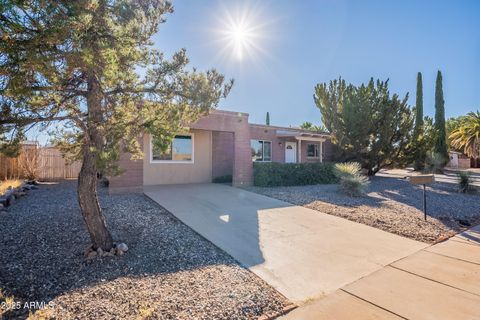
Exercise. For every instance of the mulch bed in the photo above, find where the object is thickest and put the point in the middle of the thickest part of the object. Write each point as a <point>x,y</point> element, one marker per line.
<point>169,271</point>
<point>393,205</point>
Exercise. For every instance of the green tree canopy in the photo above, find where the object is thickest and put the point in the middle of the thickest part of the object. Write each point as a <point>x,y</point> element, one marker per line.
<point>420,152</point>
<point>91,65</point>
<point>366,123</point>
<point>466,137</point>
<point>310,126</point>
<point>451,125</point>
<point>440,148</point>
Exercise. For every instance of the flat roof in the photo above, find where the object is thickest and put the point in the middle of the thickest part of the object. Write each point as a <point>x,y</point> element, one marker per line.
<point>294,129</point>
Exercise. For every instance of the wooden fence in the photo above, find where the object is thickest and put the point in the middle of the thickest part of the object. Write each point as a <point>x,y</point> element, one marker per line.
<point>46,162</point>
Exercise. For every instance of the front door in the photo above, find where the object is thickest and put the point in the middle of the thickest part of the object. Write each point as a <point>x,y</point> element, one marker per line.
<point>290,152</point>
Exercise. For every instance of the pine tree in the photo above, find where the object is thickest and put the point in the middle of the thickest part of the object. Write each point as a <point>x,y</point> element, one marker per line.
<point>440,148</point>
<point>267,120</point>
<point>75,63</point>
<point>420,152</point>
<point>355,114</point>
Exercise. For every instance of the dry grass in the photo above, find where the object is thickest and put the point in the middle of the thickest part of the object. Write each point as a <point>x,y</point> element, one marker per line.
<point>5,184</point>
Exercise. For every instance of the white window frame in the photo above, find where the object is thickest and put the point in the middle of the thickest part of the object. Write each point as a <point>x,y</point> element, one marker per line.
<point>191,134</point>
<point>263,150</point>
<point>318,149</point>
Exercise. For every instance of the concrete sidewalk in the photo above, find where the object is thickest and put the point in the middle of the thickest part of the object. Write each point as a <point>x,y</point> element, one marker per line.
<point>438,282</point>
<point>302,253</point>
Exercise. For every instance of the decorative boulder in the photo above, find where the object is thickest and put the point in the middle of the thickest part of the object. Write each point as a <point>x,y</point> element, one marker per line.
<point>121,248</point>
<point>19,194</point>
<point>10,200</point>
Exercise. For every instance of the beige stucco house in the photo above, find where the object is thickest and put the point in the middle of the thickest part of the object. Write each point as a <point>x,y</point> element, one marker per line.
<point>221,144</point>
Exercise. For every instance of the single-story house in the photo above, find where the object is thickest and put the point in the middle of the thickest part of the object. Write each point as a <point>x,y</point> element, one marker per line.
<point>222,143</point>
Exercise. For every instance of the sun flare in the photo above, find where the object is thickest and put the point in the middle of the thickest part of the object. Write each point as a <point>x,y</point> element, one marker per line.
<point>241,34</point>
<point>241,40</point>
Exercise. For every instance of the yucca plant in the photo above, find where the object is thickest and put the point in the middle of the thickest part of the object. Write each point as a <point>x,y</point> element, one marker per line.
<point>464,182</point>
<point>352,182</point>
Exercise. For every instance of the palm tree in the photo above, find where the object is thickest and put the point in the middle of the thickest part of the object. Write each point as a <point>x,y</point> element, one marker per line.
<point>467,136</point>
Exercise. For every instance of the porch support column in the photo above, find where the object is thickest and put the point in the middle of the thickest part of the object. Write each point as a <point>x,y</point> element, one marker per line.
<point>242,163</point>
<point>321,151</point>
<point>299,151</point>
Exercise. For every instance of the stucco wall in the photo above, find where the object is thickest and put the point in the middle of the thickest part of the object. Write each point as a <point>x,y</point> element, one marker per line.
<point>131,180</point>
<point>238,124</point>
<point>222,153</point>
<point>200,171</point>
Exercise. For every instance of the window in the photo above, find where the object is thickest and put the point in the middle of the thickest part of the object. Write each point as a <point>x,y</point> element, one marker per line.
<point>313,150</point>
<point>261,150</point>
<point>180,150</point>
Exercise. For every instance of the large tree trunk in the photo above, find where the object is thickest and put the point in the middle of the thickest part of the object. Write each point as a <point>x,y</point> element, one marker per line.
<point>87,181</point>
<point>87,198</point>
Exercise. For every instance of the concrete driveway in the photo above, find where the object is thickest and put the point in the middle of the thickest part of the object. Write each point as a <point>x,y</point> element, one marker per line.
<point>302,253</point>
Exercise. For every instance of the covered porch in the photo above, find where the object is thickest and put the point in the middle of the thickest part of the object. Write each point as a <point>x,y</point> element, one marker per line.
<point>301,146</point>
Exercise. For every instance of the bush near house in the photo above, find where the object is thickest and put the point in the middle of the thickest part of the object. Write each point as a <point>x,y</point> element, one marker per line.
<point>223,179</point>
<point>272,174</point>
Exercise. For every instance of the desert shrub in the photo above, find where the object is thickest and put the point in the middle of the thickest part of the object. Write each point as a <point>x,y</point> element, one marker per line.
<point>352,182</point>
<point>30,163</point>
<point>464,182</point>
<point>223,179</point>
<point>271,174</point>
<point>7,184</point>
<point>347,169</point>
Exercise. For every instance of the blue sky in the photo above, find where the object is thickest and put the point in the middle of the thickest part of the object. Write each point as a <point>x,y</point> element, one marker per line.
<point>302,43</point>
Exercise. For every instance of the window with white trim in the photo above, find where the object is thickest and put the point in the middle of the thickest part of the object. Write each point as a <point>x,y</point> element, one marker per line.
<point>313,150</point>
<point>261,150</point>
<point>180,150</point>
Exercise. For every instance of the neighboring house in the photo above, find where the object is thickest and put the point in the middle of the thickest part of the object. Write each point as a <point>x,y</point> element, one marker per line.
<point>220,144</point>
<point>459,161</point>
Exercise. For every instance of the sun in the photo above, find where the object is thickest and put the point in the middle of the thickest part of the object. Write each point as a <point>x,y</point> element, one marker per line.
<point>241,39</point>
<point>241,34</point>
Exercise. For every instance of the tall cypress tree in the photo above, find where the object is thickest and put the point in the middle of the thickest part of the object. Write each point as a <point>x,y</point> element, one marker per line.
<point>420,153</point>
<point>441,149</point>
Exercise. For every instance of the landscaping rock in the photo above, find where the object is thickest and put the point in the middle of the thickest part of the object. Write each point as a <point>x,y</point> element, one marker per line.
<point>171,268</point>
<point>92,255</point>
<point>121,248</point>
<point>2,207</point>
<point>392,205</point>
<point>8,193</point>
<point>10,200</point>
<point>110,253</point>
<point>19,194</point>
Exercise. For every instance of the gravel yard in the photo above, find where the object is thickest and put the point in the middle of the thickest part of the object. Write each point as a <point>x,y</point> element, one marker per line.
<point>393,205</point>
<point>169,272</point>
